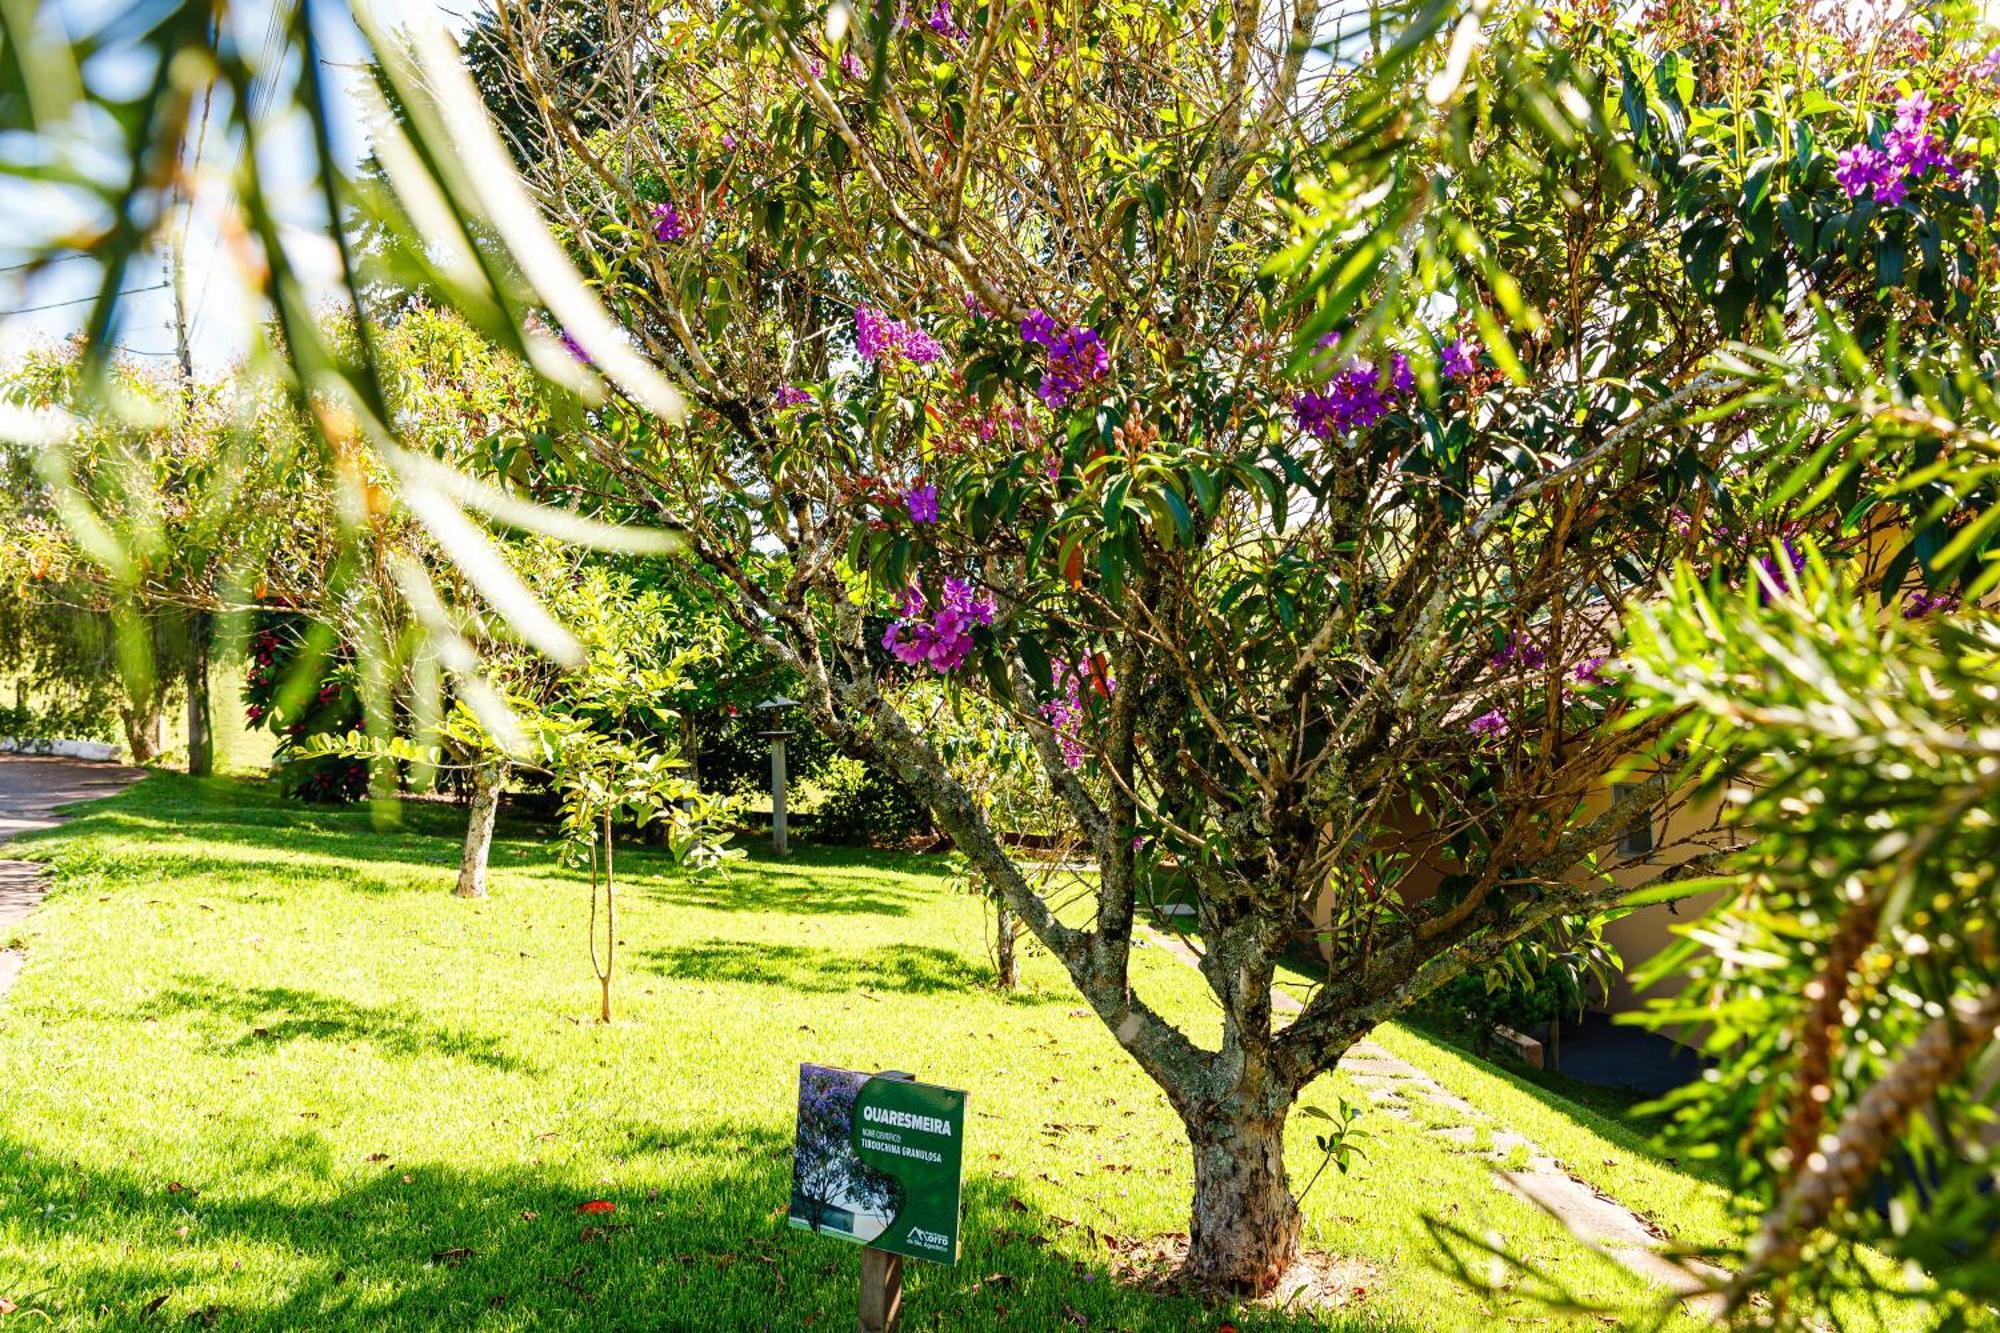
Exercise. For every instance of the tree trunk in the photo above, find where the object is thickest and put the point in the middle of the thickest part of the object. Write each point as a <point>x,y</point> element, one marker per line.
<point>201,732</point>
<point>610,925</point>
<point>142,731</point>
<point>487,782</point>
<point>1243,1236</point>
<point>1006,929</point>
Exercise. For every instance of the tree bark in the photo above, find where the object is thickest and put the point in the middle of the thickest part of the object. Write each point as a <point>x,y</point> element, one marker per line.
<point>1243,1235</point>
<point>142,732</point>
<point>1006,928</point>
<point>487,782</point>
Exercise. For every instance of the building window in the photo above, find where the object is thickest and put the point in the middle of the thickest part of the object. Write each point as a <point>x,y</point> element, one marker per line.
<point>1637,840</point>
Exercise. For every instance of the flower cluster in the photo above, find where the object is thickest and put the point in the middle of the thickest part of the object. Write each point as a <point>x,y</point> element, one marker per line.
<point>1780,574</point>
<point>941,22</point>
<point>790,395</point>
<point>851,66</point>
<point>877,335</point>
<point>1519,652</point>
<point>1920,604</point>
<point>1907,154</point>
<point>667,223</point>
<point>575,348</point>
<point>922,503</point>
<point>1590,671</point>
<point>943,641</point>
<point>1360,394</point>
<point>1077,356</point>
<point>1065,711</point>
<point>1491,725</point>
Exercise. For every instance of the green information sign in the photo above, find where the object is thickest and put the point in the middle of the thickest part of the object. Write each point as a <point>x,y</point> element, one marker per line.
<point>877,1160</point>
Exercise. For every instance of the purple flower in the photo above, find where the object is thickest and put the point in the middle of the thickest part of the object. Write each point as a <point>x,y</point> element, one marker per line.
<point>1779,574</point>
<point>1590,671</point>
<point>1077,356</point>
<point>922,503</point>
<point>851,66</point>
<point>1401,378</point>
<point>1909,152</point>
<point>815,68</point>
<point>1519,652</point>
<point>1913,113</point>
<point>728,142</point>
<point>1459,360</point>
<point>876,336</point>
<point>792,396</point>
<point>941,23</point>
<point>667,224</point>
<point>920,347</point>
<point>1491,725</point>
<point>1065,710</point>
<point>1920,604</point>
<point>576,348</point>
<point>944,641</point>
<point>1859,169</point>
<point>1352,400</point>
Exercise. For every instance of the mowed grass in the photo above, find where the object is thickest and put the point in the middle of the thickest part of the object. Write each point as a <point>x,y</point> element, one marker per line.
<point>264,1071</point>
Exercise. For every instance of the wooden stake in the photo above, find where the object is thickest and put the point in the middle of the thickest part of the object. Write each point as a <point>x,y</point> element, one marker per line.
<point>881,1290</point>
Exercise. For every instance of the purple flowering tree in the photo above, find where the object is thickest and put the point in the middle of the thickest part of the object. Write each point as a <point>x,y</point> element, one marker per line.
<point>1288,492</point>
<point>826,1171</point>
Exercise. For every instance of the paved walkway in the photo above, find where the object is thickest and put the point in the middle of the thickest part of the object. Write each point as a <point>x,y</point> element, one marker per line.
<point>31,788</point>
<point>1396,1087</point>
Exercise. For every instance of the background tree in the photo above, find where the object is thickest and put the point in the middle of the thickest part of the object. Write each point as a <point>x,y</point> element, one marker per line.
<point>170,508</point>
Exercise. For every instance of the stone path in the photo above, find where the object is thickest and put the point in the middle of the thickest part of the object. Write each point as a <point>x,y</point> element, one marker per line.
<point>1400,1090</point>
<point>30,791</point>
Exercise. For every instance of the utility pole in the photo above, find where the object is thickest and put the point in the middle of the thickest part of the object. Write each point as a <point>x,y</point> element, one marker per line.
<point>200,626</point>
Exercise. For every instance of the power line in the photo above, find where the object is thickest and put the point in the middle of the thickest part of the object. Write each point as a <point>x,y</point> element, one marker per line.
<point>81,300</point>
<point>274,31</point>
<point>44,263</point>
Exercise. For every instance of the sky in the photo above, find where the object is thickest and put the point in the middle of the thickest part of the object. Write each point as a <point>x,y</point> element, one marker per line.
<point>53,304</point>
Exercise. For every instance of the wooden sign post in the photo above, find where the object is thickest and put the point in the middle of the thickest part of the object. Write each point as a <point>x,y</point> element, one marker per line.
<point>878,1162</point>
<point>881,1290</point>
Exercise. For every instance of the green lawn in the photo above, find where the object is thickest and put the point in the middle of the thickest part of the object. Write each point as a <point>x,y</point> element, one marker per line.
<point>267,1072</point>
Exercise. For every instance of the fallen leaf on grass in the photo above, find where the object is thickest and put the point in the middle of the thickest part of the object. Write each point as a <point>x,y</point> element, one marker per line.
<point>147,1310</point>
<point>452,1257</point>
<point>529,1214</point>
<point>597,1206</point>
<point>7,1306</point>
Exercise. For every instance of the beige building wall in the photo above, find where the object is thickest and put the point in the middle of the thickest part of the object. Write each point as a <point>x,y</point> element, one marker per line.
<point>1684,828</point>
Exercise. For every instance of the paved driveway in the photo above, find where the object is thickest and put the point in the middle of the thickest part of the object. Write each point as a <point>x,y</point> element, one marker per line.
<point>30,790</point>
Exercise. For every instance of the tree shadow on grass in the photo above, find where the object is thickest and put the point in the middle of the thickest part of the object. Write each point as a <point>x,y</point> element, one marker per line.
<point>908,969</point>
<point>256,1017</point>
<point>763,888</point>
<point>696,1239</point>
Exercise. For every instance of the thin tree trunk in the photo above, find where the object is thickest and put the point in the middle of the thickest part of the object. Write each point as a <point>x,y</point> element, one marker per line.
<point>1006,929</point>
<point>610,926</point>
<point>201,733</point>
<point>487,782</point>
<point>1243,1235</point>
